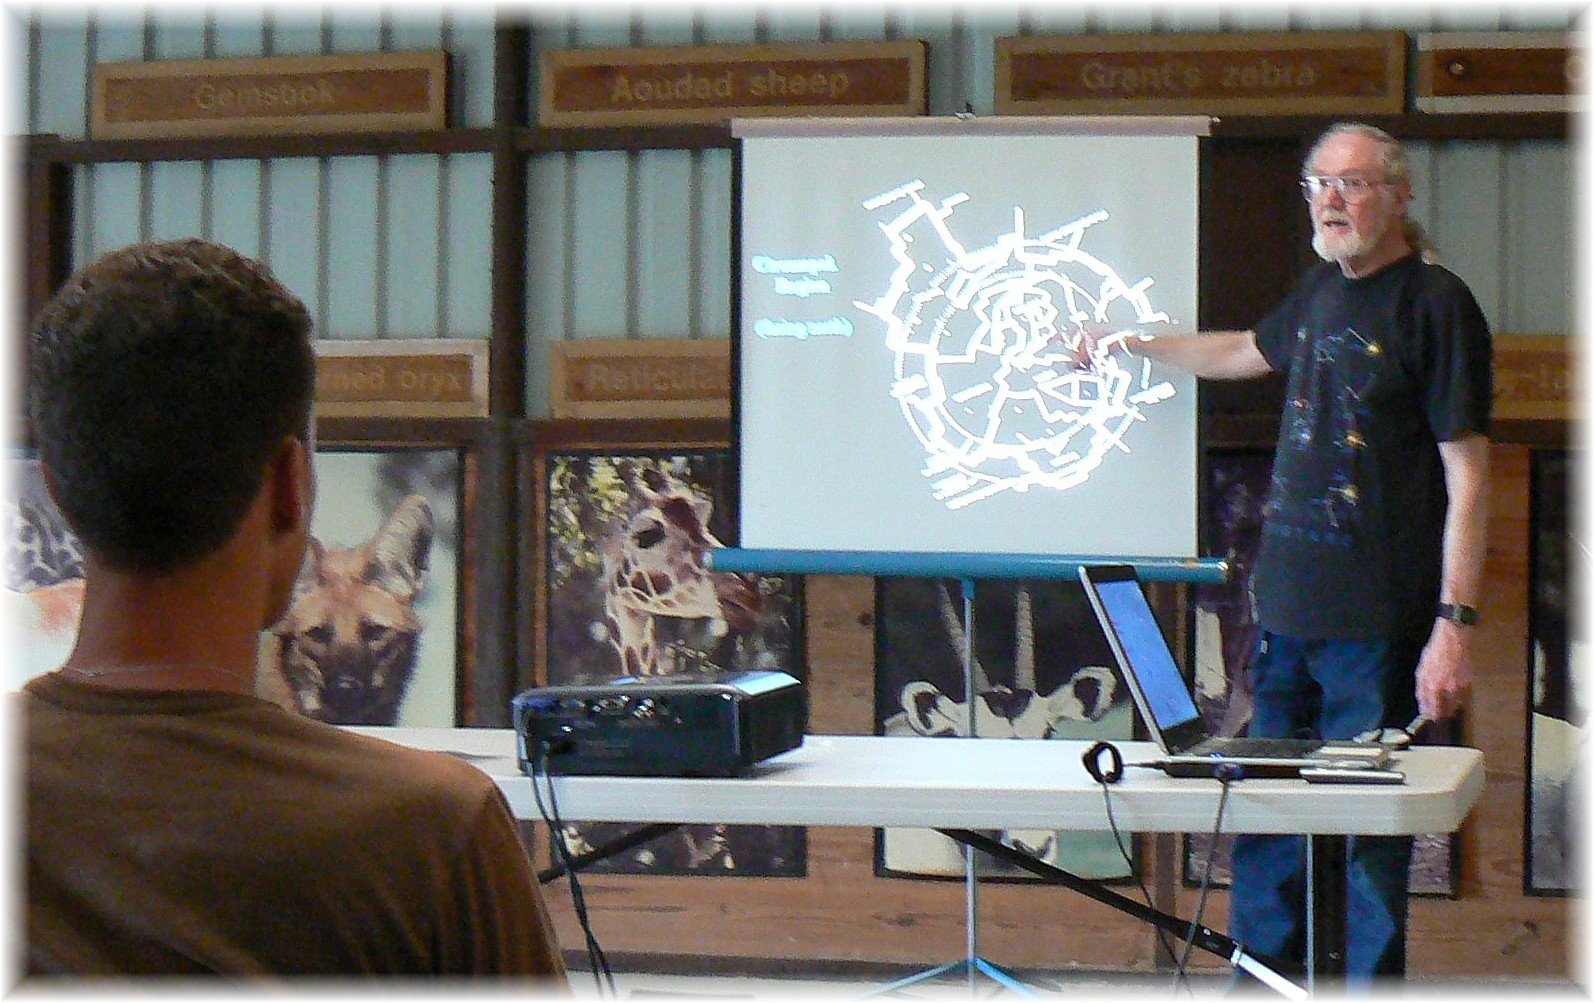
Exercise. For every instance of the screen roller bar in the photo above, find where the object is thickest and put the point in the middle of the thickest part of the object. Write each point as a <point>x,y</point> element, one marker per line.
<point>888,563</point>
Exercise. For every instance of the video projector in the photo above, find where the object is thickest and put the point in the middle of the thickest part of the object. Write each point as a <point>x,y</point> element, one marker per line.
<point>708,724</point>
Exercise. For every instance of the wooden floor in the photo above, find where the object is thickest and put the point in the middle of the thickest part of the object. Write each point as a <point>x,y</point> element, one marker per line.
<point>1086,985</point>
<point>954,986</point>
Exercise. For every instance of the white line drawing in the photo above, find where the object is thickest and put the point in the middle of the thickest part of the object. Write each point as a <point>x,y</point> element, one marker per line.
<point>988,345</point>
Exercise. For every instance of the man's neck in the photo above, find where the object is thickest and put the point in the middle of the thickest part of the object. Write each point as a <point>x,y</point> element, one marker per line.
<point>160,676</point>
<point>1385,254</point>
<point>182,631</point>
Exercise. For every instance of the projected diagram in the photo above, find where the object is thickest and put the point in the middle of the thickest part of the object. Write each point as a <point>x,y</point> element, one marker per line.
<point>993,370</point>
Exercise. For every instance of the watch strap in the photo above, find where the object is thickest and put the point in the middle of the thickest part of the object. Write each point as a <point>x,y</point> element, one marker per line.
<point>1457,612</point>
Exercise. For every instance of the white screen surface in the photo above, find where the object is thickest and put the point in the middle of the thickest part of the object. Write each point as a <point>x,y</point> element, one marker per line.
<point>911,303</point>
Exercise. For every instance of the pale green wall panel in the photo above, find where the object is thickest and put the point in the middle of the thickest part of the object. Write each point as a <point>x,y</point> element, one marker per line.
<point>943,77</point>
<point>1540,257</point>
<point>239,31</point>
<point>547,269</point>
<point>468,297</point>
<point>235,213</point>
<point>15,37</point>
<point>470,44</point>
<point>175,33</point>
<point>730,25</point>
<point>791,23</point>
<point>117,35</point>
<point>1058,19</point>
<point>349,245</point>
<point>116,200</point>
<point>979,58</point>
<point>1469,205</point>
<point>178,198</point>
<point>665,252</point>
<point>293,213</point>
<point>414,244</point>
<point>664,26</point>
<point>295,31</point>
<point>59,77</point>
<point>599,27</point>
<point>714,222</point>
<point>848,23</point>
<point>415,31</point>
<point>600,243</point>
<point>354,28</point>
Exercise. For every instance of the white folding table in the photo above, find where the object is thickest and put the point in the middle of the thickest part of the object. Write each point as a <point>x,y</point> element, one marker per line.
<point>956,786</point>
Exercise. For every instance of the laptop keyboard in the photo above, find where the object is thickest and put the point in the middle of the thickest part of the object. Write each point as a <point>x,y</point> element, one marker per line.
<point>1259,746</point>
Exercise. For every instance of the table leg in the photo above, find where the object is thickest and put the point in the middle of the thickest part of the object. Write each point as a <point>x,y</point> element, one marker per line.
<point>1326,893</point>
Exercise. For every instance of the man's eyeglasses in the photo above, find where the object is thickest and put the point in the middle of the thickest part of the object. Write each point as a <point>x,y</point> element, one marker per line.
<point>1352,190</point>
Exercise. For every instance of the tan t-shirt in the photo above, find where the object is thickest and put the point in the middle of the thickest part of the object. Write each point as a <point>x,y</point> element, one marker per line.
<point>176,833</point>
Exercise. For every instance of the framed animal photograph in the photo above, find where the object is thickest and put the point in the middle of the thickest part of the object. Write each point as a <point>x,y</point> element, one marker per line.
<point>1557,652</point>
<point>372,634</point>
<point>624,591</point>
<point>44,576</point>
<point>1041,670</point>
<point>1225,633</point>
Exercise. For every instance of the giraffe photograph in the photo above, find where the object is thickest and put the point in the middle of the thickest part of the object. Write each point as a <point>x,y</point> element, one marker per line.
<point>628,593</point>
<point>44,577</point>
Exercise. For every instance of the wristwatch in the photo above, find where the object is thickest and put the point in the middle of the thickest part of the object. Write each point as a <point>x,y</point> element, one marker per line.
<point>1459,612</point>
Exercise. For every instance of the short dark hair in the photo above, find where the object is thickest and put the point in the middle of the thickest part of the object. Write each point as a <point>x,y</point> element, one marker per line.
<point>162,378</point>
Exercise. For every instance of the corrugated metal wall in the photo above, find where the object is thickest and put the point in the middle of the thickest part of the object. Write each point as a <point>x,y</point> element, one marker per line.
<point>637,244</point>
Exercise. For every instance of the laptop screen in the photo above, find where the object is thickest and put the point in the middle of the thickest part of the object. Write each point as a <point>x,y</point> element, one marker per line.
<point>1129,616</point>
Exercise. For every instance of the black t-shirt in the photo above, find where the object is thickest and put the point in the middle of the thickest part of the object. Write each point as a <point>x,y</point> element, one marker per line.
<point>1379,370</point>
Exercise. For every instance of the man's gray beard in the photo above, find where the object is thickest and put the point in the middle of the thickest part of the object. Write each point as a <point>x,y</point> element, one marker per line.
<point>1353,247</point>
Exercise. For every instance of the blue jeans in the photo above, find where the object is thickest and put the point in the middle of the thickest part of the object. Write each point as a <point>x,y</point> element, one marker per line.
<point>1327,689</point>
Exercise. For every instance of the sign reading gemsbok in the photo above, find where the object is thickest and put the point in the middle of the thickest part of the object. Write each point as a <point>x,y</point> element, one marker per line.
<point>372,92</point>
<point>711,83</point>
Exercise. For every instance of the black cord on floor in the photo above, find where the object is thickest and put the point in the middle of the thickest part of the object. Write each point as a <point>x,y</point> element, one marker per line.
<point>1118,839</point>
<point>1180,978</point>
<point>602,974</point>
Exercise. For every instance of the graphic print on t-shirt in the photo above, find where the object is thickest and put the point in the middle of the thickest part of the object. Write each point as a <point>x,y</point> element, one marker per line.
<point>1316,478</point>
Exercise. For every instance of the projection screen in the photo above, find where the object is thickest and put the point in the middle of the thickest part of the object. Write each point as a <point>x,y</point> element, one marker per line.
<point>912,299</point>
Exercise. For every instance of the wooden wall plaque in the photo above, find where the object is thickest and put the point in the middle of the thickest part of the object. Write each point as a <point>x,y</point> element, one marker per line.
<point>282,94</point>
<point>1534,377</point>
<point>401,378</point>
<point>711,83</point>
<point>1523,71</point>
<point>641,378</point>
<point>1242,73</point>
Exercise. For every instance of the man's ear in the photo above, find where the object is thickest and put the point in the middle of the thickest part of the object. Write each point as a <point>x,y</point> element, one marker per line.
<point>51,489</point>
<point>292,490</point>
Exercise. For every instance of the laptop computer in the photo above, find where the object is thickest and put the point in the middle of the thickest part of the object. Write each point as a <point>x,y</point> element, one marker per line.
<point>1167,705</point>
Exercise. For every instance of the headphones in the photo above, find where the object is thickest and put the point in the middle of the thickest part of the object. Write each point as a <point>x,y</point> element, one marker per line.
<point>1114,770</point>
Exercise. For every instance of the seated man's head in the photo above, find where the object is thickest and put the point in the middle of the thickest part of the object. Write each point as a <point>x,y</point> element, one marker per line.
<point>164,381</point>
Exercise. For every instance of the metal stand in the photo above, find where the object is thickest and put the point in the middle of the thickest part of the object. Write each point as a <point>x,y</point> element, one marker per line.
<point>971,964</point>
<point>1264,969</point>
